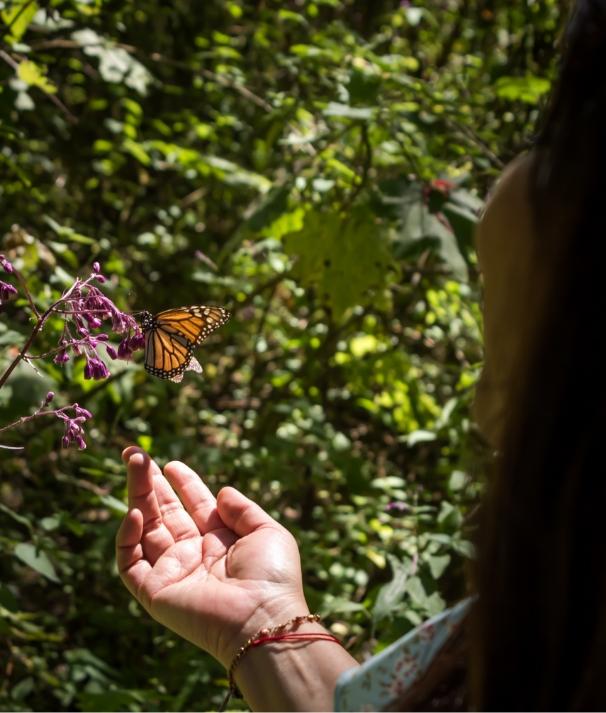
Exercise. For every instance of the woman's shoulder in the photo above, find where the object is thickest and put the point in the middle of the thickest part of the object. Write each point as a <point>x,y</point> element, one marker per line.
<point>507,217</point>
<point>386,677</point>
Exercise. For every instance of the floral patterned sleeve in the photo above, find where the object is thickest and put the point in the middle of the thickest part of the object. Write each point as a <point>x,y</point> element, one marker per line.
<point>381,681</point>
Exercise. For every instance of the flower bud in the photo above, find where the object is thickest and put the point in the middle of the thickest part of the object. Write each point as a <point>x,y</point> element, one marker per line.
<point>6,291</point>
<point>6,264</point>
<point>62,357</point>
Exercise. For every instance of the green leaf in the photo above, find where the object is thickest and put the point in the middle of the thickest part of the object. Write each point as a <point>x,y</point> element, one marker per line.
<point>136,151</point>
<point>364,87</point>
<point>343,257</point>
<point>416,590</point>
<point>34,76</point>
<point>457,480</point>
<point>437,564</point>
<point>16,516</point>
<point>37,560</point>
<point>113,504</point>
<point>464,547</point>
<point>449,516</point>
<point>116,65</point>
<point>349,112</point>
<point>66,233</point>
<point>463,210</point>
<point>339,605</point>
<point>527,89</point>
<point>422,229</point>
<point>271,207</point>
<point>419,436</point>
<point>390,596</point>
<point>18,16</point>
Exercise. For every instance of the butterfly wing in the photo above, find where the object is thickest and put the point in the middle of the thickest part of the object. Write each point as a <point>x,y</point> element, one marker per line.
<point>166,355</point>
<point>194,324</point>
<point>173,335</point>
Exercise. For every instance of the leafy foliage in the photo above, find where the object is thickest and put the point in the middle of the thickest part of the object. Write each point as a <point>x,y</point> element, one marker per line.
<point>316,166</point>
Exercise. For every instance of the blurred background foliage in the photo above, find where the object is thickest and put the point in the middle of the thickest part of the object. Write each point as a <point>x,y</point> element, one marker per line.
<point>317,167</point>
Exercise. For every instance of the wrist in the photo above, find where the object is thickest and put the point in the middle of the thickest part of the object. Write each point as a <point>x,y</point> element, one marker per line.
<point>295,674</point>
<point>274,611</point>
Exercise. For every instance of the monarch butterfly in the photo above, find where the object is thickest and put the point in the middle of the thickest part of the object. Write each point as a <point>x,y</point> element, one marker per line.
<point>172,335</point>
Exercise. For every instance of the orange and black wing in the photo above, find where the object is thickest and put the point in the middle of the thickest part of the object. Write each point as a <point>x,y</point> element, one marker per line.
<point>194,324</point>
<point>173,335</point>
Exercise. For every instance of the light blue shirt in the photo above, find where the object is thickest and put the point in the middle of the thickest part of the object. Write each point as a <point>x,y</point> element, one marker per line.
<point>382,680</point>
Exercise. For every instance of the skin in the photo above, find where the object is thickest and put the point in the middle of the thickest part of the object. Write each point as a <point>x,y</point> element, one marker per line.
<point>215,571</point>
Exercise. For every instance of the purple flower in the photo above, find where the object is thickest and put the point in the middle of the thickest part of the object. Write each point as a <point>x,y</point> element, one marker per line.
<point>93,320</point>
<point>6,291</point>
<point>397,506</point>
<point>6,264</point>
<point>96,301</point>
<point>122,323</point>
<point>95,369</point>
<point>131,344</point>
<point>49,397</point>
<point>97,273</point>
<point>62,357</point>
<point>79,411</point>
<point>74,432</point>
<point>86,309</point>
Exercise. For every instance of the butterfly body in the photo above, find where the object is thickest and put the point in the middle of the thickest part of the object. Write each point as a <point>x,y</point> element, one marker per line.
<point>172,335</point>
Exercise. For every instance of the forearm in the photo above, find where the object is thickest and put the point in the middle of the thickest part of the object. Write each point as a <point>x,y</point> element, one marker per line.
<point>300,676</point>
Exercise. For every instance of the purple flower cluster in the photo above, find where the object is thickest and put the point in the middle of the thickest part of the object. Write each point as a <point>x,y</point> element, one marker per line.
<point>74,432</point>
<point>73,422</point>
<point>86,308</point>
<point>6,289</point>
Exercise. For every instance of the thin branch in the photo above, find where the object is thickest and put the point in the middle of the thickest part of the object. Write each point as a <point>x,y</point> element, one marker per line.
<point>28,294</point>
<point>55,100</point>
<point>366,166</point>
<point>37,327</point>
<point>26,419</point>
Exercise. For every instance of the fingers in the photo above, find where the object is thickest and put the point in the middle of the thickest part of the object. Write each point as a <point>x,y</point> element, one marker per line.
<point>199,502</point>
<point>132,566</point>
<point>141,474</point>
<point>176,519</point>
<point>240,514</point>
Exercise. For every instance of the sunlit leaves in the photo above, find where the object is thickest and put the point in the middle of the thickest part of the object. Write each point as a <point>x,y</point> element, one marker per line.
<point>36,559</point>
<point>17,16</point>
<point>343,257</point>
<point>33,75</point>
<point>526,89</point>
<point>115,63</point>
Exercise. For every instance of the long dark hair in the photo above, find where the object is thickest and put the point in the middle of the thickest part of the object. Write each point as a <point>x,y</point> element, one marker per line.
<point>539,627</point>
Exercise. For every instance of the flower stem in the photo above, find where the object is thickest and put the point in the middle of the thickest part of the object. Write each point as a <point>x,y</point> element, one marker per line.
<point>37,327</point>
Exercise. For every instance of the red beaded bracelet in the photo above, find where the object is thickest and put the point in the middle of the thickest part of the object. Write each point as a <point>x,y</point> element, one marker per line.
<point>271,636</point>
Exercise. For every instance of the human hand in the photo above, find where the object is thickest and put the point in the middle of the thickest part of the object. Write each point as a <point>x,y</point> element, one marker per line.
<point>213,570</point>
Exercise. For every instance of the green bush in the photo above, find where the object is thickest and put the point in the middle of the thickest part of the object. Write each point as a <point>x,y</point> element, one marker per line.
<point>317,167</point>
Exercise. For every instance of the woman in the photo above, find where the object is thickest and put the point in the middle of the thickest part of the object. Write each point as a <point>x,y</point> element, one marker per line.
<point>219,571</point>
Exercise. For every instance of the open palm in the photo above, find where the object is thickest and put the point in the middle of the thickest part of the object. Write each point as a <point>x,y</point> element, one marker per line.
<point>212,570</point>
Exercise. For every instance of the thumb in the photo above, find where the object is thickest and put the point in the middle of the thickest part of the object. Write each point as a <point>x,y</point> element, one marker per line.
<point>240,514</point>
